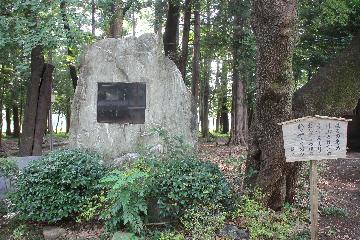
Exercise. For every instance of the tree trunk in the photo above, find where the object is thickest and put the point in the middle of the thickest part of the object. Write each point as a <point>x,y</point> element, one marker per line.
<point>171,30</point>
<point>28,128</point>
<point>205,100</point>
<point>274,24</point>
<point>238,133</point>
<point>71,66</point>
<point>224,118</point>
<point>196,57</point>
<point>116,24</point>
<point>93,22</point>
<point>67,116</point>
<point>43,107</point>
<point>16,120</point>
<point>217,96</point>
<point>185,39</point>
<point>334,89</point>
<point>8,121</point>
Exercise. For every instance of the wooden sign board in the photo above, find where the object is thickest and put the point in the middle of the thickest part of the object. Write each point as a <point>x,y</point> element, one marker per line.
<point>314,138</point>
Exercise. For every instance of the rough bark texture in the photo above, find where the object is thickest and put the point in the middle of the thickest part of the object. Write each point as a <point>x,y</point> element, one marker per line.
<point>238,133</point>
<point>335,89</point>
<point>27,137</point>
<point>185,39</point>
<point>274,25</point>
<point>16,120</point>
<point>171,30</point>
<point>205,100</point>
<point>116,25</point>
<point>8,121</point>
<point>43,107</point>
<point>196,58</point>
<point>223,99</point>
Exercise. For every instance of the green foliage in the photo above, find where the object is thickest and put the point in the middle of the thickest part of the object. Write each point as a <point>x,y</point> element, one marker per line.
<point>124,236</point>
<point>8,168</point>
<point>56,186</point>
<point>168,235</point>
<point>203,221</point>
<point>126,199</point>
<point>334,211</point>
<point>264,223</point>
<point>182,183</point>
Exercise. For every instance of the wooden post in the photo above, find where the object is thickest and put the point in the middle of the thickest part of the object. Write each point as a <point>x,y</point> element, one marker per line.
<point>314,205</point>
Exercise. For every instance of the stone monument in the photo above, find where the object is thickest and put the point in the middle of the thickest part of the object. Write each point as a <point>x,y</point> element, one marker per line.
<point>126,87</point>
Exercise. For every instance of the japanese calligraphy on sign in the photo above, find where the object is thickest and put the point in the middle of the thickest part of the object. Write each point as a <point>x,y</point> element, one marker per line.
<point>314,138</point>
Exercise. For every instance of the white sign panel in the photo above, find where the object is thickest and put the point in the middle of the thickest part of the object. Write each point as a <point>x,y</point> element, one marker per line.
<point>314,138</point>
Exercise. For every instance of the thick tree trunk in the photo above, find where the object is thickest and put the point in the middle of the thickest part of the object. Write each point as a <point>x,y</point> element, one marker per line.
<point>185,39</point>
<point>274,24</point>
<point>16,120</point>
<point>195,88</point>
<point>28,128</point>
<point>116,25</point>
<point>238,133</point>
<point>171,30</point>
<point>335,89</point>
<point>43,107</point>
<point>8,121</point>
<point>217,96</point>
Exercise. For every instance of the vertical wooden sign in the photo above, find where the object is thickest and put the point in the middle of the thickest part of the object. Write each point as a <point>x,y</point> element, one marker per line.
<point>312,139</point>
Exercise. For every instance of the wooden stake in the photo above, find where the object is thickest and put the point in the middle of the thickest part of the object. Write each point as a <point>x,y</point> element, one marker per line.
<point>314,205</point>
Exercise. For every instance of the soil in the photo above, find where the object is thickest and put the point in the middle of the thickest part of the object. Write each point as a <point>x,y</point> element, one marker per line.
<point>339,186</point>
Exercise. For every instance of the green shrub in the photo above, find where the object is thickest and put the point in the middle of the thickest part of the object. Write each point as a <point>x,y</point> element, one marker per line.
<point>8,168</point>
<point>264,223</point>
<point>180,184</point>
<point>57,185</point>
<point>203,221</point>
<point>125,201</point>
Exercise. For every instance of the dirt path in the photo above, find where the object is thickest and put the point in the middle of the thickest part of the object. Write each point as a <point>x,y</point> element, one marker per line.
<point>340,191</point>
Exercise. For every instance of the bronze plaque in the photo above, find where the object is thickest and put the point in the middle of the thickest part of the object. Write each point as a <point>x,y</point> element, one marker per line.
<point>121,103</point>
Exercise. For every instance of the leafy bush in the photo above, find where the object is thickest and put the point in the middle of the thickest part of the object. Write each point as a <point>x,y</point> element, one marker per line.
<point>203,221</point>
<point>57,185</point>
<point>264,223</point>
<point>334,211</point>
<point>8,168</point>
<point>126,199</point>
<point>180,184</point>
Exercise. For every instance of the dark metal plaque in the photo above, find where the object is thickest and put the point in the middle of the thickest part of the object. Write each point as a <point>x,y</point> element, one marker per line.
<point>121,103</point>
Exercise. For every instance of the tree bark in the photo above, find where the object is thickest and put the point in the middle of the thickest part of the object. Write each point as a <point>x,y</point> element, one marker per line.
<point>116,25</point>
<point>171,30</point>
<point>8,121</point>
<point>16,120</point>
<point>274,25</point>
<point>224,118</point>
<point>28,128</point>
<point>205,100</point>
<point>195,88</point>
<point>185,39</point>
<point>238,133</point>
<point>334,89</point>
<point>43,107</point>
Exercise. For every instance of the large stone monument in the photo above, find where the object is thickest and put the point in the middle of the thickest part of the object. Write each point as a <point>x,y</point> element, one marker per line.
<point>126,87</point>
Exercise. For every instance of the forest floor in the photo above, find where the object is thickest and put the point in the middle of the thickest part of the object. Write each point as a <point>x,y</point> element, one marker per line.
<point>339,186</point>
